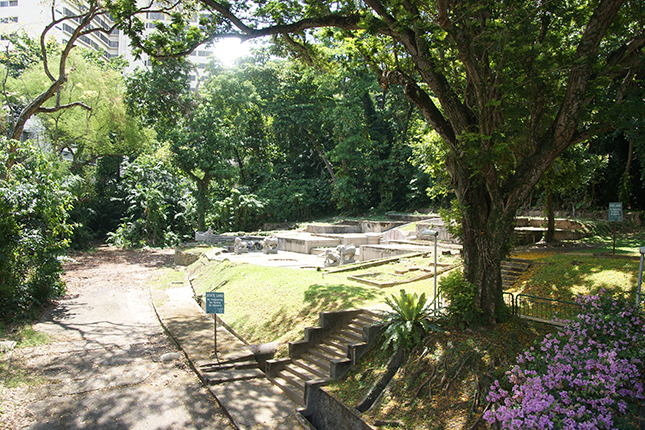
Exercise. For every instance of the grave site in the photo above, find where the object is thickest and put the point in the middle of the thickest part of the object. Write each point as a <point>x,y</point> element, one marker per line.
<point>382,214</point>
<point>314,327</point>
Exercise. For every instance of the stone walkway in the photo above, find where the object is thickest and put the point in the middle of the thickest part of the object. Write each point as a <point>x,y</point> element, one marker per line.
<point>249,398</point>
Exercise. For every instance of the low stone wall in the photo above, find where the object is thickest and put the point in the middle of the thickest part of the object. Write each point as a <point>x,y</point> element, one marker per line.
<point>375,252</point>
<point>380,226</point>
<point>185,258</point>
<point>325,412</point>
<point>303,245</point>
<point>332,229</point>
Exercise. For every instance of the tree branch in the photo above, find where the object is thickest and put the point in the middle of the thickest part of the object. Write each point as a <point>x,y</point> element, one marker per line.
<point>425,104</point>
<point>564,125</point>
<point>61,107</point>
<point>348,22</point>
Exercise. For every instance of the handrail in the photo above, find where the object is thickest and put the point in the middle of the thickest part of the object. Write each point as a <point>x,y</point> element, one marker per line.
<point>551,311</point>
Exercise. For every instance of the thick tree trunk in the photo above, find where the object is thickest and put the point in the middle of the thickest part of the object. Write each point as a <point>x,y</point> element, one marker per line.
<point>487,228</point>
<point>625,191</point>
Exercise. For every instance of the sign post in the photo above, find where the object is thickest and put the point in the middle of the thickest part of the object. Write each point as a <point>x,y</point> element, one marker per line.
<point>615,215</point>
<point>640,278</point>
<point>214,305</point>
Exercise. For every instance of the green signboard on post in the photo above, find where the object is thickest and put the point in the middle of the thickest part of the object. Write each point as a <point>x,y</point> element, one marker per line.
<point>616,212</point>
<point>214,303</point>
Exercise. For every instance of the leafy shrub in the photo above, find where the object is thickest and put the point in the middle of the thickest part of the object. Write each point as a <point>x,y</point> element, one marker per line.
<point>408,322</point>
<point>237,212</point>
<point>34,205</point>
<point>460,295</point>
<point>159,208</point>
<point>294,198</point>
<point>587,376</point>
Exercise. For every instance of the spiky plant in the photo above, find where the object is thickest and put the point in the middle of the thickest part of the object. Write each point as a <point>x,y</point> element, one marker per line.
<point>408,322</point>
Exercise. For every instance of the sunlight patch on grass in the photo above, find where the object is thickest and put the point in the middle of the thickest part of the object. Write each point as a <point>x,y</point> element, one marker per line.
<point>610,278</point>
<point>563,276</point>
<point>266,304</point>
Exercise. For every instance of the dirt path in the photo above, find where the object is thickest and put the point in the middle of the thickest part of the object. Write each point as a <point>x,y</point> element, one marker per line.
<point>110,366</point>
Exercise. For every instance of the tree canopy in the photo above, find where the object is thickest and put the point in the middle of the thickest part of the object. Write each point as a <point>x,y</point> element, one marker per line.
<point>508,86</point>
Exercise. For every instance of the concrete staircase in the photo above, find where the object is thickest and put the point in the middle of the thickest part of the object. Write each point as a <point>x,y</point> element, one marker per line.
<point>326,353</point>
<point>512,268</point>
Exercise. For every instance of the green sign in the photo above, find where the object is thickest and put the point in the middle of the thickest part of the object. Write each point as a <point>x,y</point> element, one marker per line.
<point>616,212</point>
<point>214,303</point>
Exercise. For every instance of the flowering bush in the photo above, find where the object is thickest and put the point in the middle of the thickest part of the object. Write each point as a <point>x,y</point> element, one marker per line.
<point>587,376</point>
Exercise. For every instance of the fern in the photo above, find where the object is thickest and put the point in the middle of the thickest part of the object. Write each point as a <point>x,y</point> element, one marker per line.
<point>408,322</point>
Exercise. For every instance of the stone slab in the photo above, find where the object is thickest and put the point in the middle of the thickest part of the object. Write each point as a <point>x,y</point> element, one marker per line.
<point>229,375</point>
<point>255,403</point>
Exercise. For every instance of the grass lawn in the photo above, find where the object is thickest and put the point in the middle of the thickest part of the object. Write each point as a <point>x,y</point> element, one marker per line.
<point>628,238</point>
<point>13,372</point>
<point>564,276</point>
<point>267,304</point>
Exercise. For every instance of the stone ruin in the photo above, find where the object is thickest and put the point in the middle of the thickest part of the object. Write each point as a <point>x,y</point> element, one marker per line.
<point>240,246</point>
<point>270,245</point>
<point>343,254</point>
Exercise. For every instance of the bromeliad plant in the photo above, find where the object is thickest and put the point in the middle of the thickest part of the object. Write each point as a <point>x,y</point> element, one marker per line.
<point>588,376</point>
<point>408,322</point>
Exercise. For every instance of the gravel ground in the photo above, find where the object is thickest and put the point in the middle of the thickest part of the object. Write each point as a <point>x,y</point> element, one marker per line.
<point>109,365</point>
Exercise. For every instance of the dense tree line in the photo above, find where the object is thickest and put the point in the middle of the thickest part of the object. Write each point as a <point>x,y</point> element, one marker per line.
<point>490,104</point>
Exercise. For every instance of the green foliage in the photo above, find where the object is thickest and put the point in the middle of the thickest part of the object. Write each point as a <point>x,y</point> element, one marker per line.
<point>461,295</point>
<point>34,205</point>
<point>157,211</point>
<point>408,322</point>
<point>25,52</point>
<point>102,128</point>
<point>292,199</point>
<point>237,212</point>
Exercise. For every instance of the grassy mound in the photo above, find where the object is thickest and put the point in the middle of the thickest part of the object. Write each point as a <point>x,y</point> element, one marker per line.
<point>267,304</point>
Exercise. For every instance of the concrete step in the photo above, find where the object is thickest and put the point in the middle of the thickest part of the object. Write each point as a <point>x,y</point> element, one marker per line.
<point>355,328</point>
<point>368,320</point>
<point>340,346</point>
<point>215,367</point>
<point>331,350</point>
<point>323,353</point>
<point>301,372</point>
<point>294,395</point>
<point>350,336</point>
<point>297,383</point>
<point>312,366</point>
<point>213,378</point>
<point>316,362</point>
<point>372,313</point>
<point>512,269</point>
<point>313,360</point>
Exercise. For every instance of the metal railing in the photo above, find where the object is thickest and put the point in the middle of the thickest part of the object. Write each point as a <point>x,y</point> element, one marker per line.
<point>541,309</point>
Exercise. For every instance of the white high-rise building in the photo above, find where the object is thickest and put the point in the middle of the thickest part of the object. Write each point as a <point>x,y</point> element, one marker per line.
<point>32,16</point>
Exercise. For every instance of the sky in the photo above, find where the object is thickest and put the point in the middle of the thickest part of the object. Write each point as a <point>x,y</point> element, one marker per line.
<point>229,50</point>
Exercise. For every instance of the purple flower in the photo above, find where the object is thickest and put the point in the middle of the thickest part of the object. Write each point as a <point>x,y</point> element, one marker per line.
<point>578,378</point>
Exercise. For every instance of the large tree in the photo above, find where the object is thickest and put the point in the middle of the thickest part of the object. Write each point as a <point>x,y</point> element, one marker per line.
<point>507,85</point>
<point>21,52</point>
